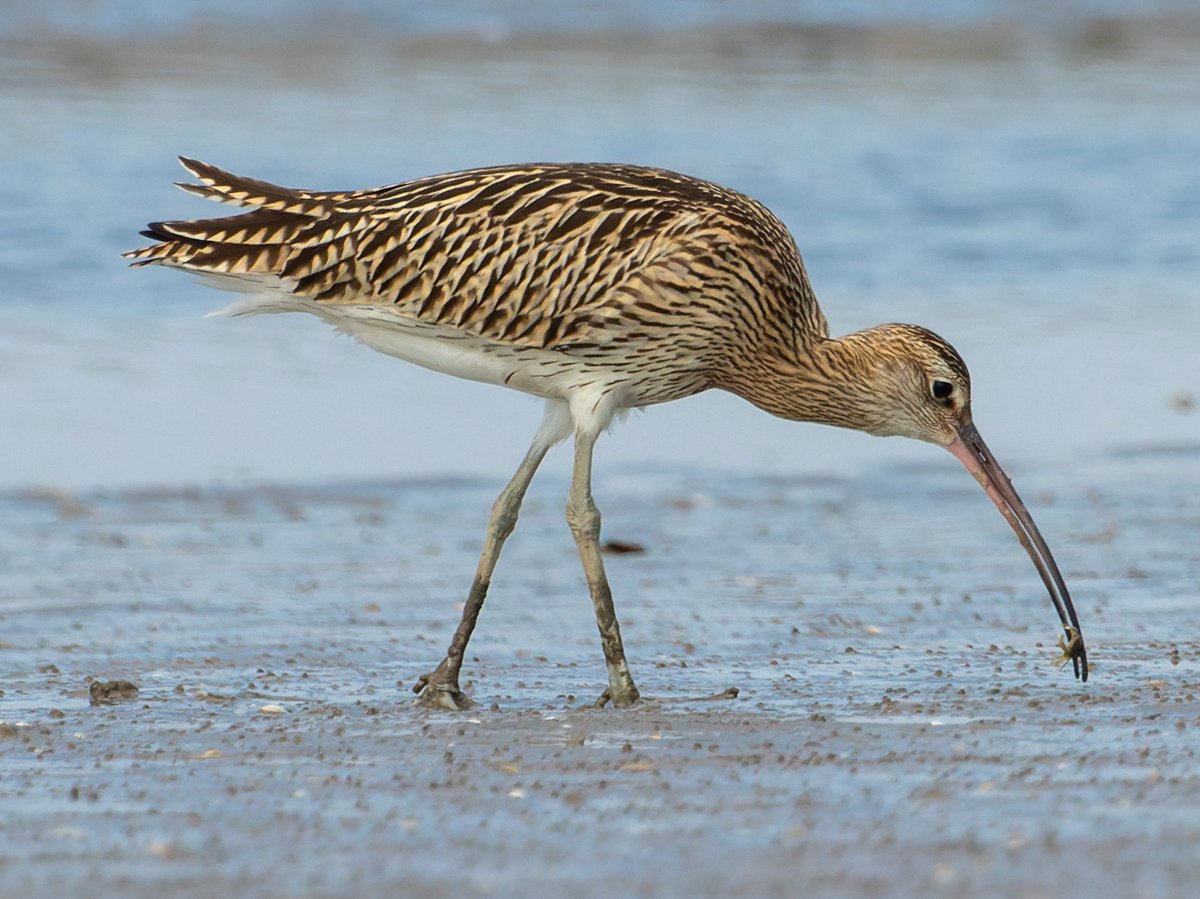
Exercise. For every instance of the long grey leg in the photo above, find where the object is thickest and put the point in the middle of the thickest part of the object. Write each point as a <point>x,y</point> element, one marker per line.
<point>584,520</point>
<point>439,688</point>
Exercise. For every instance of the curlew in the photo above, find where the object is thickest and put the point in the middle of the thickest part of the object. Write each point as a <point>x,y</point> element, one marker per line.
<point>599,288</point>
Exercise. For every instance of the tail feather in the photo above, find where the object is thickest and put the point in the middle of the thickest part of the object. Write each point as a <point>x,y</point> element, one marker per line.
<point>237,190</point>
<point>257,241</point>
<point>251,241</point>
<point>256,228</point>
<point>287,239</point>
<point>204,191</point>
<point>216,258</point>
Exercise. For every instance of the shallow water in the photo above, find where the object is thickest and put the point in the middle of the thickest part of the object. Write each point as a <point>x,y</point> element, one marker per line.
<point>1022,181</point>
<point>1012,181</point>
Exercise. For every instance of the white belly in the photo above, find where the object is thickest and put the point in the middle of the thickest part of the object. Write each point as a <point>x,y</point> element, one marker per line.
<point>593,392</point>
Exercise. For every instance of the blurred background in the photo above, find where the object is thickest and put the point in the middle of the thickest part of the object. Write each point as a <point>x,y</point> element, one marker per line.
<point>1023,178</point>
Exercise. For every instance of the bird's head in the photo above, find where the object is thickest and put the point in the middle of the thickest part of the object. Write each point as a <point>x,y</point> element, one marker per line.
<point>905,381</point>
<point>910,383</point>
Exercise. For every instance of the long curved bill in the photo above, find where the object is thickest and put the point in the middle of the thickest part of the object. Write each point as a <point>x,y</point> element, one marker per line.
<point>968,447</point>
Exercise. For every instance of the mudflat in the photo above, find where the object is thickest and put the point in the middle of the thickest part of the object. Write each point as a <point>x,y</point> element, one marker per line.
<point>899,728</point>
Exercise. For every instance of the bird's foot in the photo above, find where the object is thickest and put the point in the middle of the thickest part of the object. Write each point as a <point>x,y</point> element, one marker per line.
<point>439,690</point>
<point>623,699</point>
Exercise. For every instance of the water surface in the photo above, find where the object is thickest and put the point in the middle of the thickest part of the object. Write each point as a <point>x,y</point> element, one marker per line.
<point>1022,183</point>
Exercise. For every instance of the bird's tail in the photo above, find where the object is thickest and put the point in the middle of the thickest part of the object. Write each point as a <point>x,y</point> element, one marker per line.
<point>290,240</point>
<point>246,244</point>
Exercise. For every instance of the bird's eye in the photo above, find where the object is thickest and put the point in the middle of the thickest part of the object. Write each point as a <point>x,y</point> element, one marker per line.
<point>941,390</point>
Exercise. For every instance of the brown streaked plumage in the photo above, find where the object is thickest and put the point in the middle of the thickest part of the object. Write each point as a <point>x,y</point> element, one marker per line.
<point>598,287</point>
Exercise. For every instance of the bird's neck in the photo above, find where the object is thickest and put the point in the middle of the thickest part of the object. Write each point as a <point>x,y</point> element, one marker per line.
<point>829,381</point>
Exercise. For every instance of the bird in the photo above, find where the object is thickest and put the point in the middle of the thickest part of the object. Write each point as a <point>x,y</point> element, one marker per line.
<point>599,287</point>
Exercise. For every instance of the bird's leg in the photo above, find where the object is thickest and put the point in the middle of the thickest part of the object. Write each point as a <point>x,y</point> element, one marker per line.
<point>439,688</point>
<point>584,520</point>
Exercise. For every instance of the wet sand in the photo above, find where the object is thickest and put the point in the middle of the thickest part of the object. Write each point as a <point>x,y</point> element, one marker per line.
<point>900,727</point>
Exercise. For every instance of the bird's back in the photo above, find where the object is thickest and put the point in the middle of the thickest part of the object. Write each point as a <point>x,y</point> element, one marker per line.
<point>613,262</point>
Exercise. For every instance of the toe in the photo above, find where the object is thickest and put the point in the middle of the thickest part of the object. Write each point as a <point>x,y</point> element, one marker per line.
<point>444,696</point>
